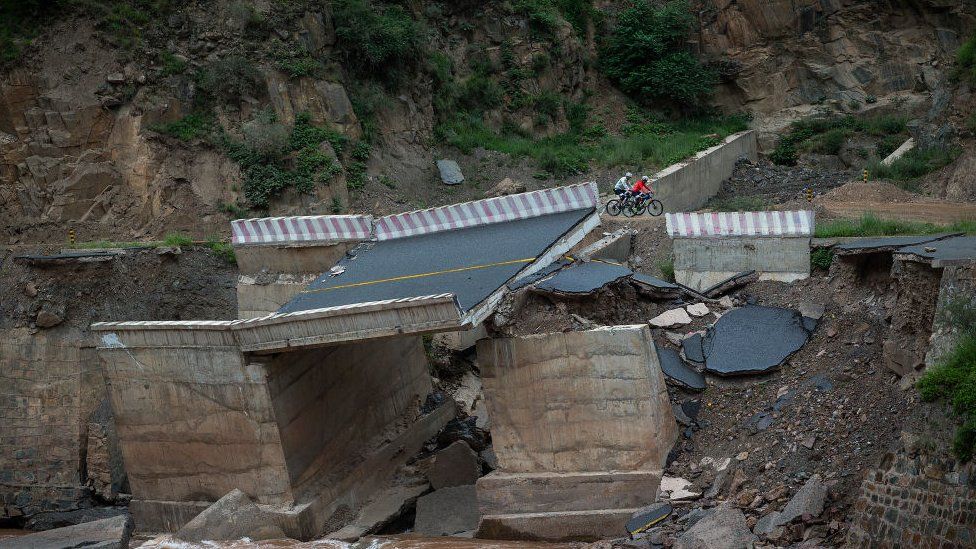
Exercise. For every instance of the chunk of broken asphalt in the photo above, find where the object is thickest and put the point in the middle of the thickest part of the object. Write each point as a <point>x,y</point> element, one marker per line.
<point>692,346</point>
<point>753,339</point>
<point>646,517</point>
<point>584,277</point>
<point>674,317</point>
<point>677,371</point>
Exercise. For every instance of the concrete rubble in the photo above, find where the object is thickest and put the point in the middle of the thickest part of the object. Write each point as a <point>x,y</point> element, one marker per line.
<point>671,319</point>
<point>231,517</point>
<point>456,465</point>
<point>109,533</point>
<point>721,528</point>
<point>450,172</point>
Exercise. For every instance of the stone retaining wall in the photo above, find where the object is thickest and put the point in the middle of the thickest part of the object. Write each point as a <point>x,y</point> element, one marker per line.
<point>687,186</point>
<point>913,502</point>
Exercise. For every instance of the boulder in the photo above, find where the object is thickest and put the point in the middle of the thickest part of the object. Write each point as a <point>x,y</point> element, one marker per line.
<point>809,500</point>
<point>447,511</point>
<point>450,172</point>
<point>723,528</point>
<point>49,316</point>
<point>456,465</point>
<point>109,533</point>
<point>668,319</point>
<point>504,187</point>
<point>232,517</point>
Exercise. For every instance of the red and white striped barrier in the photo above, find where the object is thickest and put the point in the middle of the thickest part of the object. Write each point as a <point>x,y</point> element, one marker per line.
<point>307,228</point>
<point>485,212</point>
<point>718,224</point>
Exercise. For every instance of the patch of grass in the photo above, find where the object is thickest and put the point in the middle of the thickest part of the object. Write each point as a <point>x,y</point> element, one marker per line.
<point>177,239</point>
<point>871,225</point>
<point>739,204</point>
<point>953,378</point>
<point>666,266</point>
<point>233,210</point>
<point>190,127</point>
<point>223,250</point>
<point>827,134</point>
<point>298,64</point>
<point>914,164</point>
<point>575,151</point>
<point>821,258</point>
<point>337,207</point>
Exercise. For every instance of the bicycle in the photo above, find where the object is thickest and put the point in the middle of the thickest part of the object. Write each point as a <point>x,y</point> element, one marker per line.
<point>631,205</point>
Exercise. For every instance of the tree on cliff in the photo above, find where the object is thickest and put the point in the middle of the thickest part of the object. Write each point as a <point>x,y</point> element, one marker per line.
<point>647,55</point>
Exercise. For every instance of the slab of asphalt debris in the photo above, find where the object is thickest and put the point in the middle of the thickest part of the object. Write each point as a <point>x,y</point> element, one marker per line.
<point>887,243</point>
<point>538,275</point>
<point>584,277</point>
<point>645,518</point>
<point>677,371</point>
<point>692,346</point>
<point>753,340</point>
<point>952,251</point>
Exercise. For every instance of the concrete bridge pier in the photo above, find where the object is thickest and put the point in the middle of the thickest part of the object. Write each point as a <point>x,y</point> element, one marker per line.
<point>581,426</point>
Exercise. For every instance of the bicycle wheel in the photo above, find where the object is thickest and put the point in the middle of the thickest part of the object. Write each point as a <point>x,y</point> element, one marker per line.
<point>613,207</point>
<point>655,208</point>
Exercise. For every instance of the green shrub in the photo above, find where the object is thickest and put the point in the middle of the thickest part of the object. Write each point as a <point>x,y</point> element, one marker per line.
<point>190,127</point>
<point>547,104</point>
<point>226,81</point>
<point>299,65</point>
<point>20,20</point>
<point>914,164</point>
<point>379,41</point>
<point>271,162</point>
<point>223,250</point>
<point>953,378</point>
<point>965,68</point>
<point>887,145</point>
<point>648,57</point>
<point>540,62</point>
<point>171,64</point>
<point>785,153</point>
<point>821,258</point>
<point>666,266</point>
<point>233,210</point>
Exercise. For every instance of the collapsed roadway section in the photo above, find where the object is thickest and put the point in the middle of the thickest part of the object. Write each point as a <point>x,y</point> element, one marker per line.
<point>279,405</point>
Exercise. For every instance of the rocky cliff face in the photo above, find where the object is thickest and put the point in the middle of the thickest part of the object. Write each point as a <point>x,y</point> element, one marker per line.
<point>80,116</point>
<point>788,53</point>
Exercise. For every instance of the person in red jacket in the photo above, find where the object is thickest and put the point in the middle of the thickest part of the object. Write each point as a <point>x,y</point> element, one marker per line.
<point>642,188</point>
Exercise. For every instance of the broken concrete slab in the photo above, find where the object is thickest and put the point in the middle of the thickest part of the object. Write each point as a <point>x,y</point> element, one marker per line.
<point>583,277</point>
<point>447,511</point>
<point>109,533</point>
<point>697,309</point>
<point>456,465</point>
<point>671,318</point>
<point>615,246</point>
<point>722,528</point>
<point>646,517</point>
<point>753,339</point>
<point>678,489</point>
<point>538,275</point>
<point>959,250</point>
<point>450,172</point>
<point>385,507</point>
<point>654,282</point>
<point>812,310</point>
<point>231,517</point>
<point>677,371</point>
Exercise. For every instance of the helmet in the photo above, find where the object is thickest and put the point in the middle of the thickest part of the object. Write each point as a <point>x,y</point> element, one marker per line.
<point>645,179</point>
<point>629,175</point>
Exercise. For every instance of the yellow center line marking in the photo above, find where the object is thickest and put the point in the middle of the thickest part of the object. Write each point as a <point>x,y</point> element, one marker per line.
<point>421,275</point>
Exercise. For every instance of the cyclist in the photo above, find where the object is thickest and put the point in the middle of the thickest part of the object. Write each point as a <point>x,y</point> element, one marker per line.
<point>642,189</point>
<point>622,185</point>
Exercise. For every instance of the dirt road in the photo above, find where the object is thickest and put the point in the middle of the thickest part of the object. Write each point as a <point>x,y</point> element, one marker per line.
<point>929,212</point>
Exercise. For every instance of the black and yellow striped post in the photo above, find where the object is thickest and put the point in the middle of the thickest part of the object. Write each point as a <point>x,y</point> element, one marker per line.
<point>865,175</point>
<point>809,193</point>
<point>71,237</point>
